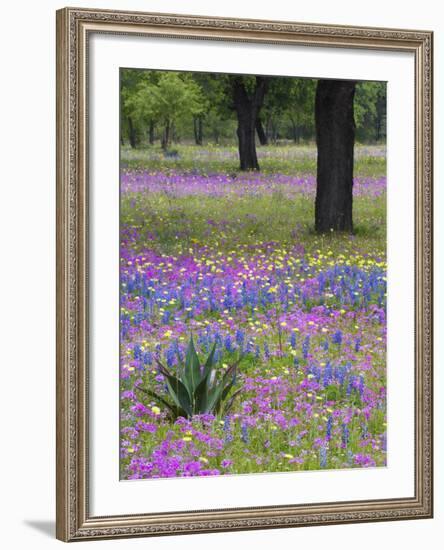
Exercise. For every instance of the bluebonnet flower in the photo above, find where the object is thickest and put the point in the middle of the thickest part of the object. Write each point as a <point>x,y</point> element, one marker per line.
<point>350,385</point>
<point>137,352</point>
<point>166,317</point>
<point>202,340</point>
<point>364,431</point>
<point>218,339</point>
<point>228,343</point>
<point>227,424</point>
<point>321,280</point>
<point>306,346</point>
<point>323,456</point>
<point>125,326</point>
<point>227,429</point>
<point>244,434</point>
<point>240,337</point>
<point>177,349</point>
<point>337,337</point>
<point>328,374</point>
<point>138,318</point>
<point>345,436</point>
<point>329,428</point>
<point>170,356</point>
<point>249,347</point>
<point>340,373</point>
<point>257,352</point>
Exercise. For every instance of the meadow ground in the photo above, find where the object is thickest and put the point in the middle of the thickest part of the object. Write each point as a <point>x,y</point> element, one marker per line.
<point>232,259</point>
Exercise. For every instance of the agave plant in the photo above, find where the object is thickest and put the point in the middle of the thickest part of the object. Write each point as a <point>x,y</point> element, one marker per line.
<point>197,387</point>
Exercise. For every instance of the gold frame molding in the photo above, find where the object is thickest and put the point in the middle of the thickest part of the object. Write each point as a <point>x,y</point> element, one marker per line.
<point>73,519</point>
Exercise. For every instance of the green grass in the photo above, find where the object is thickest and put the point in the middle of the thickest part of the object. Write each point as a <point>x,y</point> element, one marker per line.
<point>247,220</point>
<point>284,159</point>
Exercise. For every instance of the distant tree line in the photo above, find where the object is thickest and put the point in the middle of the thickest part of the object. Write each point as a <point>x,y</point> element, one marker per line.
<point>165,107</point>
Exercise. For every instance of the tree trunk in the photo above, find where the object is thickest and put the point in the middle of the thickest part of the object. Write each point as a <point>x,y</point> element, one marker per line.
<point>166,136</point>
<point>247,109</point>
<point>296,131</point>
<point>335,138</point>
<point>198,137</point>
<point>274,131</point>
<point>132,133</point>
<point>247,146</point>
<point>263,140</point>
<point>151,133</point>
<point>200,131</point>
<point>268,127</point>
<point>379,125</point>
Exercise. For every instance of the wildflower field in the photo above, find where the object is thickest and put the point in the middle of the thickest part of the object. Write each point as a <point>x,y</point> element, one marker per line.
<point>231,261</point>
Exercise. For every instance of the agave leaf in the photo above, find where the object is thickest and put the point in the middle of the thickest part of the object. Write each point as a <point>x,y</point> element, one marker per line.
<point>215,396</point>
<point>201,394</point>
<point>222,388</point>
<point>227,389</point>
<point>211,380</point>
<point>180,363</point>
<point>179,394</point>
<point>163,370</point>
<point>210,359</point>
<point>167,374</point>
<point>181,374</point>
<point>177,411</point>
<point>232,368</point>
<point>192,374</point>
<point>230,402</point>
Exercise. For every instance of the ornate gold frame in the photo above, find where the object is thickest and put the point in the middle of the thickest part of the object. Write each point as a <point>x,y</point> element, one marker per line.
<point>73,519</point>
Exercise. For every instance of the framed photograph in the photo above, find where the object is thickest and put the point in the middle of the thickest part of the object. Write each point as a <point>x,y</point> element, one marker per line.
<point>244,274</point>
